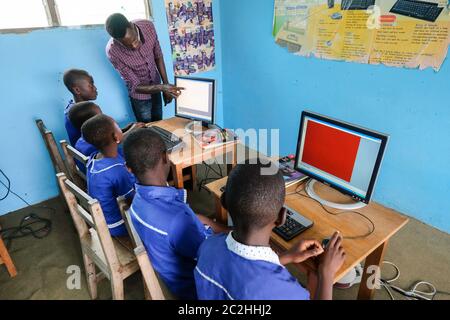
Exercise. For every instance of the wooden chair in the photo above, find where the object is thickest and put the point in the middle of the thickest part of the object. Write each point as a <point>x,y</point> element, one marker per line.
<point>5,259</point>
<point>75,174</point>
<point>51,146</point>
<point>154,288</point>
<point>115,261</point>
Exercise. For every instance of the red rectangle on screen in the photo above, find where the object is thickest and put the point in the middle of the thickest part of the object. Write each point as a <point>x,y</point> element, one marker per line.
<point>330,150</point>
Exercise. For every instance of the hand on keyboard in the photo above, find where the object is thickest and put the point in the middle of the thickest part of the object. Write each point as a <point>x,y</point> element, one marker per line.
<point>301,251</point>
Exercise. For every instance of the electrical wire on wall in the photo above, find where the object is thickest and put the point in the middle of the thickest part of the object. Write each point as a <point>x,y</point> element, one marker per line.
<point>32,224</point>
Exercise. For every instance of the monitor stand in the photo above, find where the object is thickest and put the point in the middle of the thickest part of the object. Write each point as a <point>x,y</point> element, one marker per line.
<point>347,206</point>
<point>195,127</point>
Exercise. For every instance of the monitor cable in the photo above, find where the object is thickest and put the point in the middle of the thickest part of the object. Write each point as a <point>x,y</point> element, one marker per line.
<point>301,191</point>
<point>207,177</point>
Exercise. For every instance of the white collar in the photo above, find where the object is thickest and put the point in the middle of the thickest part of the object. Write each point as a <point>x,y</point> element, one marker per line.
<point>252,252</point>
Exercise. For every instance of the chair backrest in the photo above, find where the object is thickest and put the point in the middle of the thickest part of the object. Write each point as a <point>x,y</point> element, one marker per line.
<point>85,212</point>
<point>70,154</point>
<point>51,146</point>
<point>151,281</point>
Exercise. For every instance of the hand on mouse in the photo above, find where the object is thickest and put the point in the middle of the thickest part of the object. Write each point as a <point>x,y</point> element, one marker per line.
<point>301,251</point>
<point>333,257</point>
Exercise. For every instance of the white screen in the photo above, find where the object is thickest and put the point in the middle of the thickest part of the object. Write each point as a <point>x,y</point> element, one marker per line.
<point>196,100</point>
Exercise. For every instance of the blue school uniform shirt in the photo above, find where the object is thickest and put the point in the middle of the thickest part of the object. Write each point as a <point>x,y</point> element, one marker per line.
<point>229,270</point>
<point>73,133</point>
<point>85,148</point>
<point>108,179</point>
<point>171,233</point>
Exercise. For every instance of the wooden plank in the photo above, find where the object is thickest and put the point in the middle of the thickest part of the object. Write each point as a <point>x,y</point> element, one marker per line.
<point>177,173</point>
<point>84,199</point>
<point>51,146</point>
<point>72,204</point>
<point>70,154</point>
<point>6,259</point>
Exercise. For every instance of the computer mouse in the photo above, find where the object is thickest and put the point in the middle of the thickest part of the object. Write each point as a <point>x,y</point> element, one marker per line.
<point>336,16</point>
<point>325,242</point>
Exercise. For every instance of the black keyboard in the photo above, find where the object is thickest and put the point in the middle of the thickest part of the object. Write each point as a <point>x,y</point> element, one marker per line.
<point>294,225</point>
<point>428,11</point>
<point>356,4</point>
<point>172,141</point>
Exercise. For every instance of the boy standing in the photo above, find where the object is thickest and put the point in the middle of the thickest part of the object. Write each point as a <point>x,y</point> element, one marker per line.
<point>135,53</point>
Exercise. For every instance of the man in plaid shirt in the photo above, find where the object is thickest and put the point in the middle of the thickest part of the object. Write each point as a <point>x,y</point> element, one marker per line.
<point>135,53</point>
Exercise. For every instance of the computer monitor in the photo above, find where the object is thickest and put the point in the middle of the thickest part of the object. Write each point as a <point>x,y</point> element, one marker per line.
<point>344,156</point>
<point>197,100</point>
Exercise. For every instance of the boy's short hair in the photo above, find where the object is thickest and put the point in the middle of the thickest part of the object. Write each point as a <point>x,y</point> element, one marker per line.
<point>253,199</point>
<point>98,130</point>
<point>71,77</point>
<point>117,25</point>
<point>81,112</point>
<point>143,149</point>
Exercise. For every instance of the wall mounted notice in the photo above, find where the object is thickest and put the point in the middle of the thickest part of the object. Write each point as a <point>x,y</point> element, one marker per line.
<point>191,31</point>
<point>400,33</point>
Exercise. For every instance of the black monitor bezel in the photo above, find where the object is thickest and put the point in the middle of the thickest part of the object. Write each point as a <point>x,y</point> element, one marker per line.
<point>384,141</point>
<point>213,81</point>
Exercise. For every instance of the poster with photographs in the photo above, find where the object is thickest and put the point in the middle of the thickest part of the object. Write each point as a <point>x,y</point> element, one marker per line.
<point>191,31</point>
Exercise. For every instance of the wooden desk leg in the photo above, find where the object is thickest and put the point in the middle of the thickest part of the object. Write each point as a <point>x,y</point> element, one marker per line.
<point>4,255</point>
<point>233,160</point>
<point>177,172</point>
<point>374,259</point>
<point>194,176</point>
<point>221,213</point>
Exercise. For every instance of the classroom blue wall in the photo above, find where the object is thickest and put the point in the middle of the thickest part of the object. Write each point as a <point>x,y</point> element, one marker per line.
<point>31,87</point>
<point>267,87</point>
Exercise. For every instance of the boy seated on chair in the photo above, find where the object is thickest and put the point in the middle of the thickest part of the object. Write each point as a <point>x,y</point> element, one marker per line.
<point>107,175</point>
<point>78,115</point>
<point>81,85</point>
<point>242,265</point>
<point>170,230</point>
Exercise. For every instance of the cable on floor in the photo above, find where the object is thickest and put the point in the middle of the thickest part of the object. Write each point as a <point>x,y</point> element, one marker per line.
<point>31,224</point>
<point>413,292</point>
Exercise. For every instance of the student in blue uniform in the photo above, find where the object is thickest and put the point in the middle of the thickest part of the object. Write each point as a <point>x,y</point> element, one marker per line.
<point>241,265</point>
<point>107,175</point>
<point>170,230</point>
<point>78,115</point>
<point>81,84</point>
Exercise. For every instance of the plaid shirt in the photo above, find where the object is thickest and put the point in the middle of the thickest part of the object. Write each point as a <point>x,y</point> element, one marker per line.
<point>137,67</point>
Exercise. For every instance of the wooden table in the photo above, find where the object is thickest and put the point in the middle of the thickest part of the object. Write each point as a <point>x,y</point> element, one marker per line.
<point>371,248</point>
<point>6,259</point>
<point>191,153</point>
